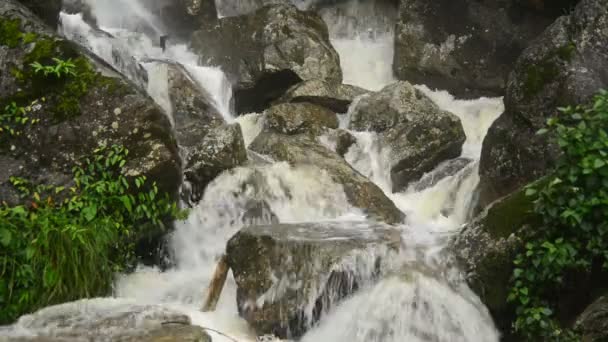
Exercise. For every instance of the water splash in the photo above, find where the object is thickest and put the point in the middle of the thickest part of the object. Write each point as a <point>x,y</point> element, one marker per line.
<point>414,307</point>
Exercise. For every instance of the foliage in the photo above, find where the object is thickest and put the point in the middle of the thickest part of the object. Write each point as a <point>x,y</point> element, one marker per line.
<point>573,204</point>
<point>13,117</point>
<point>68,243</point>
<point>61,68</point>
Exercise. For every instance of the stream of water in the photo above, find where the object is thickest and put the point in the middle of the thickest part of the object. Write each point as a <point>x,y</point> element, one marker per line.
<point>425,300</point>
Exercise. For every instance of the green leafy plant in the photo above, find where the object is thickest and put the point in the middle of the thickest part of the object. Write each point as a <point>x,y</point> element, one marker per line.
<point>60,69</point>
<point>15,117</point>
<point>573,205</point>
<point>68,243</point>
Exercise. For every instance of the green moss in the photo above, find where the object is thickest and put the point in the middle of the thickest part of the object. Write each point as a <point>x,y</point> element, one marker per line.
<point>566,52</point>
<point>510,214</point>
<point>44,50</point>
<point>547,70</point>
<point>537,75</point>
<point>10,32</point>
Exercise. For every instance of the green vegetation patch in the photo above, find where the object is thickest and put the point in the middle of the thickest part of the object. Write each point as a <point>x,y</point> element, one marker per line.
<point>67,244</point>
<point>573,235</point>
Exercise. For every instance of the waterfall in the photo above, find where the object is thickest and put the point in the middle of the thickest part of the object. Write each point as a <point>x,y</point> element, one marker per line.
<point>421,299</point>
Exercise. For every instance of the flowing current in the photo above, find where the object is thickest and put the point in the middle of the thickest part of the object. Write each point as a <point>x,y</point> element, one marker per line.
<point>423,299</point>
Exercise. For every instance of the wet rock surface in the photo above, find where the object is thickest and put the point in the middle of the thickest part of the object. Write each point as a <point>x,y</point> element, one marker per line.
<point>335,97</point>
<point>565,66</point>
<point>221,149</point>
<point>467,47</point>
<point>283,46</point>
<point>485,249</point>
<point>193,111</point>
<point>304,150</point>
<point>442,171</point>
<point>296,118</point>
<point>293,273</point>
<point>420,135</point>
<point>118,322</point>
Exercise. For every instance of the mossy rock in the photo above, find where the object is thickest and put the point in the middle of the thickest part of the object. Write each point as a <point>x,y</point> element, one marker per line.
<point>486,247</point>
<point>566,65</point>
<point>69,116</point>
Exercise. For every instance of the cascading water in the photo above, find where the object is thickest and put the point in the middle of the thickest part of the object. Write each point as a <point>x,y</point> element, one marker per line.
<point>422,299</point>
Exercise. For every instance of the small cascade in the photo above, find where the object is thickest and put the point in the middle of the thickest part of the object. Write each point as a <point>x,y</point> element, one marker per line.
<point>413,307</point>
<point>368,28</point>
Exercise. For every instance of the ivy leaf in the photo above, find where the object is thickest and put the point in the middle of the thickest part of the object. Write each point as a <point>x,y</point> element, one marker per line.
<point>5,237</point>
<point>90,212</point>
<point>598,163</point>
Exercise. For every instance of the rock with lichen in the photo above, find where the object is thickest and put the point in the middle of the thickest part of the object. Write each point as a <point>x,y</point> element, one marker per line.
<point>71,115</point>
<point>467,47</point>
<point>566,65</point>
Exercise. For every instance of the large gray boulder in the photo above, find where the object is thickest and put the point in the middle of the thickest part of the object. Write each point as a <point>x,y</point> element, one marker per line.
<point>289,275</point>
<point>336,97</point>
<point>106,320</point>
<point>419,134</point>
<point>305,150</point>
<point>76,113</point>
<point>566,65</point>
<point>466,46</point>
<point>268,51</point>
<point>296,118</point>
<point>221,149</point>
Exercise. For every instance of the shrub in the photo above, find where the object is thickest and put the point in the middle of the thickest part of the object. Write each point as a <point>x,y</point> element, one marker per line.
<point>573,204</point>
<point>68,243</point>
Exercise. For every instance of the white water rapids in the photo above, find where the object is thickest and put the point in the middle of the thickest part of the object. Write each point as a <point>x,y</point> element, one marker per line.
<point>424,300</point>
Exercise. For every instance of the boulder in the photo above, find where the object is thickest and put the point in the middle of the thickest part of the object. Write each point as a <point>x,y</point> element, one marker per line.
<point>566,65</point>
<point>446,169</point>
<point>593,322</point>
<point>221,149</point>
<point>419,134</point>
<point>72,116</point>
<point>305,150</point>
<point>107,320</point>
<point>467,47</point>
<point>485,249</point>
<point>282,47</point>
<point>193,110</point>
<point>334,97</point>
<point>289,275</point>
<point>296,118</point>
<point>47,10</point>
